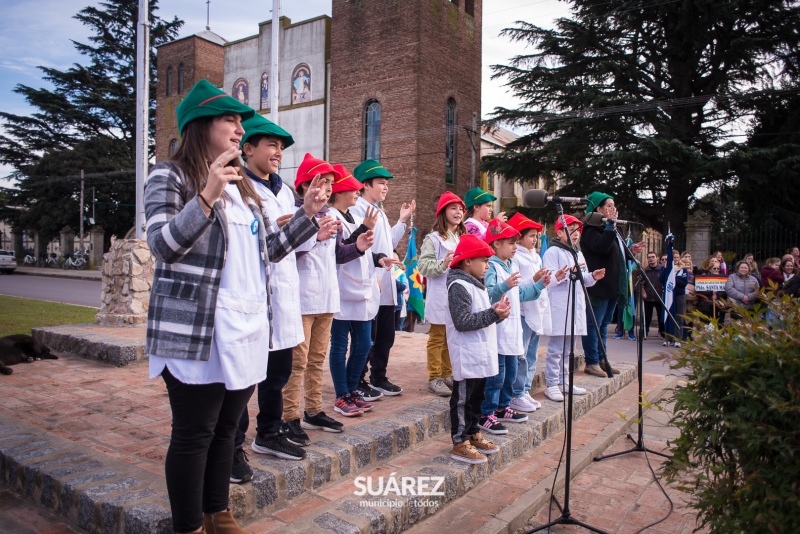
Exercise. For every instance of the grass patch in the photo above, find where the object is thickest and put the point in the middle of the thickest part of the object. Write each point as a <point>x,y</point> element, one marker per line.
<point>18,316</point>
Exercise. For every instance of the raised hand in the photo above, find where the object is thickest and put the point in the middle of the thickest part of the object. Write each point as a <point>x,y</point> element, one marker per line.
<point>315,197</point>
<point>599,274</point>
<point>328,227</point>
<point>406,210</point>
<point>365,240</point>
<point>637,247</point>
<point>219,175</point>
<point>513,280</point>
<point>388,262</point>
<point>448,258</point>
<point>562,273</point>
<point>502,216</point>
<point>503,308</point>
<point>370,218</point>
<point>540,274</point>
<point>546,278</point>
<point>282,220</point>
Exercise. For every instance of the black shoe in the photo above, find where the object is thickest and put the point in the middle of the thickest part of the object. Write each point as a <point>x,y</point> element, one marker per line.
<point>295,434</point>
<point>241,471</point>
<point>321,422</point>
<point>387,388</point>
<point>368,392</point>
<point>277,445</point>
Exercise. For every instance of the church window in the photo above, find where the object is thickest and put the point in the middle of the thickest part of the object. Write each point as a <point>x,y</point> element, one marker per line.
<point>241,91</point>
<point>450,143</point>
<point>181,78</point>
<point>264,90</point>
<point>469,7</point>
<point>169,81</point>
<point>372,130</point>
<point>301,84</point>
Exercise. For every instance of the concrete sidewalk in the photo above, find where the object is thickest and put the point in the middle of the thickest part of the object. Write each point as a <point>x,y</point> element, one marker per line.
<point>60,273</point>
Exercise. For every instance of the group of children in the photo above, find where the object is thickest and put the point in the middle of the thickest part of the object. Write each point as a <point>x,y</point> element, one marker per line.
<point>487,304</point>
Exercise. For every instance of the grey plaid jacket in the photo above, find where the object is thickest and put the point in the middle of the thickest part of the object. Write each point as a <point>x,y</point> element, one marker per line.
<point>190,251</point>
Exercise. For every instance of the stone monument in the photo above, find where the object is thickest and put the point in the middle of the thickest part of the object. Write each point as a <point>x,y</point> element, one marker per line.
<point>698,236</point>
<point>127,277</point>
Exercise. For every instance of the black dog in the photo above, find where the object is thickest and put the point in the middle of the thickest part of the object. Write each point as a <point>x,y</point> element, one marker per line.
<point>21,348</point>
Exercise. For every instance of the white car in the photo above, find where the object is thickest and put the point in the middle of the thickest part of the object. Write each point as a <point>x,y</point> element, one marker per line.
<point>7,261</point>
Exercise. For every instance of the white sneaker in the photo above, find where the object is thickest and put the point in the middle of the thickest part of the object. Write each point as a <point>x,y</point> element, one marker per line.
<point>576,390</point>
<point>554,394</point>
<point>677,344</point>
<point>533,401</point>
<point>521,404</point>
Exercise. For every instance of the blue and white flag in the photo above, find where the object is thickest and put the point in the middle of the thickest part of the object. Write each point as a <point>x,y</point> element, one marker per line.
<point>667,276</point>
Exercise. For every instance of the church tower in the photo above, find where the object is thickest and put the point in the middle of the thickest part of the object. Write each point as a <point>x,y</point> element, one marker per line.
<point>405,82</point>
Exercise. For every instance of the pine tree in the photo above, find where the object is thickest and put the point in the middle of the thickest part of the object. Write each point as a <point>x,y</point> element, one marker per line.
<point>638,98</point>
<point>86,122</point>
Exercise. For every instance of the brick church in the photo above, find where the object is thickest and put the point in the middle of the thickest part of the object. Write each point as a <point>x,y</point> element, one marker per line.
<point>394,81</point>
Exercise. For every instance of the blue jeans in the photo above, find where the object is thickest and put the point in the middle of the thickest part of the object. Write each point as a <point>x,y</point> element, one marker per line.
<point>498,391</point>
<point>346,375</point>
<point>604,312</point>
<point>526,365</point>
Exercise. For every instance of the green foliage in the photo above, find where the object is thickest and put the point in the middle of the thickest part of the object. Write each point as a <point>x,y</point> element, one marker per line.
<point>622,97</point>
<point>87,122</point>
<point>738,412</point>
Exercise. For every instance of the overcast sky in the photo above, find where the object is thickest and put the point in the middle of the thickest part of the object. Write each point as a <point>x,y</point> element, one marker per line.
<point>39,32</point>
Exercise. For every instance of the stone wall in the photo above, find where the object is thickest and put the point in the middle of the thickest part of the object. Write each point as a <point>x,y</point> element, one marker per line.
<point>127,277</point>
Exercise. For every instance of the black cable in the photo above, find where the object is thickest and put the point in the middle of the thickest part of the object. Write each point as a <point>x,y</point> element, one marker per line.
<point>671,504</point>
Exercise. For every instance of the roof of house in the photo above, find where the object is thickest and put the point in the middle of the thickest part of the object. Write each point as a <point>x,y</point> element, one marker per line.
<point>497,135</point>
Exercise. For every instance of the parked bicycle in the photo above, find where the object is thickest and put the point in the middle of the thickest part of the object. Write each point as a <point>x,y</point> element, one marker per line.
<point>29,260</point>
<point>74,263</point>
<point>49,260</point>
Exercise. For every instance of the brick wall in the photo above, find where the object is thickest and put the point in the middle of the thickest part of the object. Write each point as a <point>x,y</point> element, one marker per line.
<point>200,59</point>
<point>411,56</point>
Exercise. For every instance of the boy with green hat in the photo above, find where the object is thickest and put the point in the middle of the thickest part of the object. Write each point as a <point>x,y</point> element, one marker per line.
<point>376,178</point>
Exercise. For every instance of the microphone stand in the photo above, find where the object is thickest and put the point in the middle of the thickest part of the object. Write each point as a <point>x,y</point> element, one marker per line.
<point>639,322</point>
<point>575,275</point>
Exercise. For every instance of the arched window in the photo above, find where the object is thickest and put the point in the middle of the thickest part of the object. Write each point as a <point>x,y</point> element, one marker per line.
<point>301,84</point>
<point>264,90</point>
<point>450,143</point>
<point>173,147</point>
<point>181,78</point>
<point>241,91</point>
<point>372,130</point>
<point>169,81</point>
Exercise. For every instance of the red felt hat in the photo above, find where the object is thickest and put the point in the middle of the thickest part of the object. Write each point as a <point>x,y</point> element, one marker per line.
<point>470,246</point>
<point>310,167</point>
<point>446,199</point>
<point>344,181</point>
<point>519,223</point>
<point>499,230</point>
<point>570,220</point>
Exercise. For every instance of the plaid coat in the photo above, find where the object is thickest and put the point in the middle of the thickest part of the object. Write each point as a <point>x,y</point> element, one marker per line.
<point>190,251</point>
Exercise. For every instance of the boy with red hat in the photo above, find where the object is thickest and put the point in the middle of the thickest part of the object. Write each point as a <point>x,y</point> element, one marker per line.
<point>503,280</point>
<point>535,313</point>
<point>472,342</point>
<point>558,257</point>
<point>434,259</point>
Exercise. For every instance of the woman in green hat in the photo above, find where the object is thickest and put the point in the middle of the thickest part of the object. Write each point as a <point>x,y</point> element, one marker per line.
<point>208,324</point>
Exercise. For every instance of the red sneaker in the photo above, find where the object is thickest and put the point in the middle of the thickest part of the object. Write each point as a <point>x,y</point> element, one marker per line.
<point>346,407</point>
<point>358,400</point>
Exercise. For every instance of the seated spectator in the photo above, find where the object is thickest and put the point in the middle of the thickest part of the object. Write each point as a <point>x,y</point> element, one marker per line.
<point>771,276</point>
<point>742,287</point>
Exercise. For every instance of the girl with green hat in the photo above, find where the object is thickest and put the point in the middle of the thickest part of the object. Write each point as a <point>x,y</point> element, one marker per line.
<point>479,211</point>
<point>208,323</point>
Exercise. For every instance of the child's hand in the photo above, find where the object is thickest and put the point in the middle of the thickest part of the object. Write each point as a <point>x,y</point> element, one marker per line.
<point>503,308</point>
<point>388,262</point>
<point>502,216</point>
<point>562,273</point>
<point>546,278</point>
<point>365,240</point>
<point>283,219</point>
<point>371,218</point>
<point>599,274</point>
<point>448,258</point>
<point>328,228</point>
<point>539,274</point>
<point>513,280</point>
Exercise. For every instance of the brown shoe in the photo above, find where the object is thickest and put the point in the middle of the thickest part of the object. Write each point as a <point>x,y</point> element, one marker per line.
<point>465,452</point>
<point>595,370</point>
<point>222,523</point>
<point>614,370</point>
<point>482,444</point>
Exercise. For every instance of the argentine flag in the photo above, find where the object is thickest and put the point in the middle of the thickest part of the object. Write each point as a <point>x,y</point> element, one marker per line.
<point>668,280</point>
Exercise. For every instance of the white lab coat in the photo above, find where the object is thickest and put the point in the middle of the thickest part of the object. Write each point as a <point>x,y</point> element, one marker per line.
<point>319,287</point>
<point>509,332</point>
<point>359,293</point>
<point>535,312</point>
<point>555,258</point>
<point>387,237</point>
<point>436,307</point>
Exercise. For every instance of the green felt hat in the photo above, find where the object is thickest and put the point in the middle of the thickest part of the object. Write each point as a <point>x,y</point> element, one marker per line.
<point>369,169</point>
<point>258,125</point>
<point>205,100</point>
<point>594,199</point>
<point>476,196</point>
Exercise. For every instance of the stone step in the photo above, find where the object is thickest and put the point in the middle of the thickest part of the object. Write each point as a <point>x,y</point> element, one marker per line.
<point>115,345</point>
<point>318,503</point>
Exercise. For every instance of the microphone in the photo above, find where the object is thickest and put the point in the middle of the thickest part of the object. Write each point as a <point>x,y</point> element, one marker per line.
<point>596,219</point>
<point>538,198</point>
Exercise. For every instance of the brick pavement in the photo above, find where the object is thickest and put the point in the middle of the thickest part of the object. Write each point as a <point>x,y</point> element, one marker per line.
<point>21,517</point>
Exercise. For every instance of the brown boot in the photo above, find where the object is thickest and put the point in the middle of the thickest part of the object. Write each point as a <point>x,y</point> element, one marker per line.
<point>482,444</point>
<point>465,452</point>
<point>595,370</point>
<point>222,523</point>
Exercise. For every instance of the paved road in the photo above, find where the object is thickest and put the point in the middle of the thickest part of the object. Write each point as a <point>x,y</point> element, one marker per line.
<point>81,292</point>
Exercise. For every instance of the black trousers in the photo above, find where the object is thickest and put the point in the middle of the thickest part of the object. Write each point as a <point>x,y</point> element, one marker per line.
<point>200,454</point>
<point>383,328</point>
<point>270,397</point>
<point>465,408</point>
<point>648,315</point>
